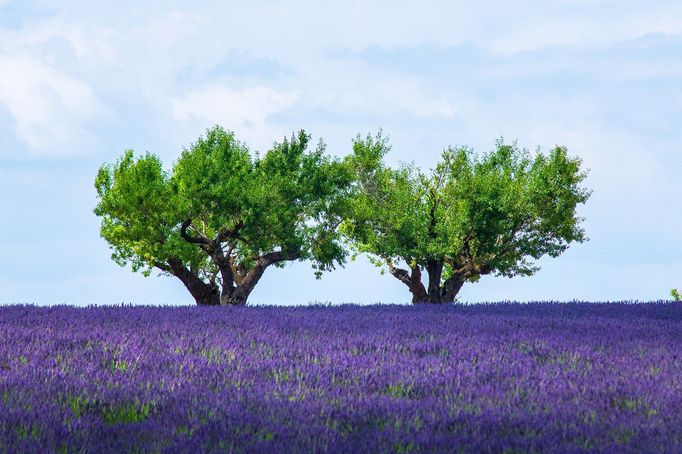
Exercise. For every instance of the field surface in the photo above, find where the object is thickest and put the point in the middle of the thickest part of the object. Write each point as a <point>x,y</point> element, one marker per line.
<point>541,377</point>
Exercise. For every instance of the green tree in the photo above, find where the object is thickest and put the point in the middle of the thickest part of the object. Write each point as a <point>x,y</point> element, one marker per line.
<point>676,295</point>
<point>221,216</point>
<point>470,216</point>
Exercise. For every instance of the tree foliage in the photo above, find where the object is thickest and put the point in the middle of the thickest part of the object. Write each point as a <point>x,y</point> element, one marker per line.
<point>221,215</point>
<point>470,216</point>
<point>676,295</point>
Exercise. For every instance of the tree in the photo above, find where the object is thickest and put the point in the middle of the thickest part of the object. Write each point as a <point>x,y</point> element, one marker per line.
<point>471,216</point>
<point>676,295</point>
<point>221,216</point>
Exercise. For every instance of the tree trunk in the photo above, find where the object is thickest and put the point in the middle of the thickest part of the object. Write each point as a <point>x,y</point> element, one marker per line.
<point>451,288</point>
<point>204,294</point>
<point>238,299</point>
<point>210,298</point>
<point>238,295</point>
<point>241,293</point>
<point>436,294</point>
<point>419,294</point>
<point>413,280</point>
<point>435,270</point>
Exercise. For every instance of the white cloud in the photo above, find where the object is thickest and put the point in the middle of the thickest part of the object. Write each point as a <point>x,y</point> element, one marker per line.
<point>579,27</point>
<point>244,111</point>
<point>49,108</point>
<point>264,27</point>
<point>223,105</point>
<point>411,97</point>
<point>92,46</point>
<point>54,71</point>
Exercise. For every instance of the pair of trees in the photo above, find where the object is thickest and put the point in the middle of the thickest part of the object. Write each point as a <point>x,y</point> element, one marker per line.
<point>222,216</point>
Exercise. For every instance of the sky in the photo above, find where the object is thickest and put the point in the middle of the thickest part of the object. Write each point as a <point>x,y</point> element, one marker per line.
<point>82,81</point>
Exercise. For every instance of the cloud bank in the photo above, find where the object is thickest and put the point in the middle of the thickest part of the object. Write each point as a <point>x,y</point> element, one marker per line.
<point>80,82</point>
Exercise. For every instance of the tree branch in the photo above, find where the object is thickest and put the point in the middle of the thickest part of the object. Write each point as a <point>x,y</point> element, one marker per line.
<point>249,281</point>
<point>230,233</point>
<point>510,244</point>
<point>222,261</point>
<point>192,239</point>
<point>399,273</point>
<point>238,270</point>
<point>215,250</point>
<point>277,256</point>
<point>412,279</point>
<point>163,267</point>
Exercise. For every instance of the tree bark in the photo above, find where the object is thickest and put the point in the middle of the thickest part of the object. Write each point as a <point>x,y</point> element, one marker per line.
<point>419,294</point>
<point>237,296</point>
<point>412,279</point>
<point>451,288</point>
<point>436,294</point>
<point>204,294</point>
<point>434,268</point>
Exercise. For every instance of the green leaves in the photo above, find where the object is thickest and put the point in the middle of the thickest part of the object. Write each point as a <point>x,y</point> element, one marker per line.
<point>210,177</point>
<point>221,215</point>
<point>139,213</point>
<point>471,215</point>
<point>386,218</point>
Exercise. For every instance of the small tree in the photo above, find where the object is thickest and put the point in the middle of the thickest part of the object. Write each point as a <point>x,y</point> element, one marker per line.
<point>221,217</point>
<point>676,295</point>
<point>469,217</point>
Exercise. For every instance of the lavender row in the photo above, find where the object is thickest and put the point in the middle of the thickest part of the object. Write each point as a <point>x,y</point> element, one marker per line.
<point>560,377</point>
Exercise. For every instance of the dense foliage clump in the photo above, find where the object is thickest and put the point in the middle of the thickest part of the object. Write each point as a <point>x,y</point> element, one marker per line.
<point>543,377</point>
<point>222,215</point>
<point>472,215</point>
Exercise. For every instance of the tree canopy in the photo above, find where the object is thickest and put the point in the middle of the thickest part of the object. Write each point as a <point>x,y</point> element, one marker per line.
<point>472,215</point>
<point>221,215</point>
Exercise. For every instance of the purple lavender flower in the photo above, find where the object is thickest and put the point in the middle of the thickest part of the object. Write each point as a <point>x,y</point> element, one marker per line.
<point>539,377</point>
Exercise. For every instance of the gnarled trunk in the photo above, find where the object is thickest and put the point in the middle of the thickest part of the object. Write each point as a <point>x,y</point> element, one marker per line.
<point>237,295</point>
<point>412,279</point>
<point>419,294</point>
<point>237,282</point>
<point>451,288</point>
<point>434,268</point>
<point>436,294</point>
<point>210,298</point>
<point>204,294</point>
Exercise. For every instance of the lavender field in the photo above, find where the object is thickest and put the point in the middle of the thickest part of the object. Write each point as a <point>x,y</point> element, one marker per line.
<point>573,377</point>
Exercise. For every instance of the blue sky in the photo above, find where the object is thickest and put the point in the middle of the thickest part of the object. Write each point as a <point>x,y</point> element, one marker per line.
<point>81,81</point>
